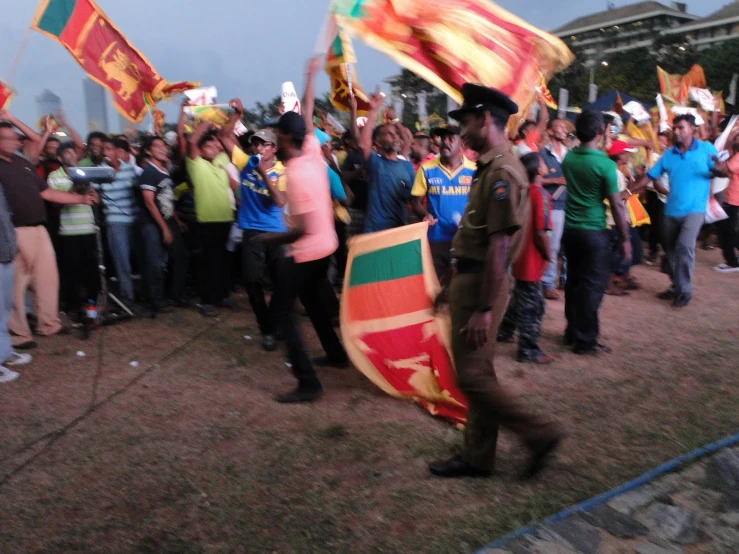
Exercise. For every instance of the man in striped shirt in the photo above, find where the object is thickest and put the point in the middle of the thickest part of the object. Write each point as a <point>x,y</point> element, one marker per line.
<point>121,210</point>
<point>77,241</point>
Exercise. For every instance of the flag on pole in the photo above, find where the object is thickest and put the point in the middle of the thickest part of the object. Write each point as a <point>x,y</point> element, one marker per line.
<point>676,88</point>
<point>390,330</point>
<point>105,54</point>
<point>449,43</point>
<point>339,66</point>
<point>6,95</point>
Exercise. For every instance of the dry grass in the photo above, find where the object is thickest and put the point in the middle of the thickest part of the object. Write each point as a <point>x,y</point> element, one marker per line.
<point>187,452</point>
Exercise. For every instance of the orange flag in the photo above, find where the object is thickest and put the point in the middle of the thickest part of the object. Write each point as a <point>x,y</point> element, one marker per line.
<point>677,87</point>
<point>104,53</point>
<point>340,69</point>
<point>6,95</point>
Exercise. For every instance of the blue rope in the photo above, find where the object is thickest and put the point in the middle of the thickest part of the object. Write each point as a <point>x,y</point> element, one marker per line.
<point>606,496</point>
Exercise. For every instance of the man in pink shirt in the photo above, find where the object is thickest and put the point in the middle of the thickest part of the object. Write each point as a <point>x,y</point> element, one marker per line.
<point>727,229</point>
<point>311,239</point>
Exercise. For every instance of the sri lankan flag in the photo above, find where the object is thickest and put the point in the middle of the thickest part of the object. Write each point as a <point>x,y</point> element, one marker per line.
<point>387,322</point>
<point>451,42</point>
<point>341,53</point>
<point>6,95</point>
<point>104,53</point>
<point>676,88</point>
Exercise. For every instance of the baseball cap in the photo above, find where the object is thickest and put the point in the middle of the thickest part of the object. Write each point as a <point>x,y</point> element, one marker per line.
<point>421,135</point>
<point>619,147</point>
<point>448,130</point>
<point>264,134</point>
<point>291,123</point>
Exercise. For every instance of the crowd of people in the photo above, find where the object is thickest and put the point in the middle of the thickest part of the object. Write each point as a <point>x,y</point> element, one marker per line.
<point>272,210</point>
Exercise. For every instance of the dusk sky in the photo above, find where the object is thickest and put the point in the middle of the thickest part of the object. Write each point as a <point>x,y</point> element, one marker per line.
<point>245,48</point>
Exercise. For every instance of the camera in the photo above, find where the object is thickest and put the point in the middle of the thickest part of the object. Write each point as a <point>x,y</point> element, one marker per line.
<point>83,177</point>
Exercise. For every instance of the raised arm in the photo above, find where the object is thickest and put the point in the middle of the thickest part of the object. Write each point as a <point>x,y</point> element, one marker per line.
<point>226,134</point>
<point>353,129</point>
<point>74,135</point>
<point>181,142</point>
<point>192,145</point>
<point>36,144</point>
<point>365,137</point>
<point>309,99</point>
<point>543,114</point>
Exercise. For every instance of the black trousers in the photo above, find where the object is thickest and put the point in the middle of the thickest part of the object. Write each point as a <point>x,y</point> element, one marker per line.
<point>588,268</point>
<point>728,233</point>
<point>441,254</point>
<point>213,278</point>
<point>309,282</point>
<point>656,211</point>
<point>157,257</point>
<point>78,268</point>
<point>259,258</point>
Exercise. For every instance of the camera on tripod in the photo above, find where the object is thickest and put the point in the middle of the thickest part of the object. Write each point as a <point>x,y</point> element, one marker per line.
<point>83,177</point>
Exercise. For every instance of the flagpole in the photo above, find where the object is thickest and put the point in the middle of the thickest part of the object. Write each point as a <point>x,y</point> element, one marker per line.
<point>16,59</point>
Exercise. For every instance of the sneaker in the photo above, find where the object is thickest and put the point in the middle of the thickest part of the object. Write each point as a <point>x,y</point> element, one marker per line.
<point>681,301</point>
<point>207,310</point>
<point>725,268</point>
<point>269,343</point>
<point>300,395</point>
<point>17,359</point>
<point>28,345</point>
<point>668,294</point>
<point>6,375</point>
<point>226,303</point>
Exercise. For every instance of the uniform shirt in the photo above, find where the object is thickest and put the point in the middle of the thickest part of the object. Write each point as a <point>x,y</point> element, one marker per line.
<point>23,188</point>
<point>212,191</point>
<point>74,220</point>
<point>496,204</point>
<point>159,182</point>
<point>446,193</point>
<point>257,210</point>
<point>554,171</point>
<point>390,184</point>
<point>690,177</point>
<point>308,195</point>
<point>591,176</point>
<point>119,197</point>
<point>530,264</point>
<point>7,232</point>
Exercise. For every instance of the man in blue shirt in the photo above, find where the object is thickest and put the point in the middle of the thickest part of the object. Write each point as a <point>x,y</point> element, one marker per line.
<point>390,178</point>
<point>445,182</point>
<point>261,210</point>
<point>690,165</point>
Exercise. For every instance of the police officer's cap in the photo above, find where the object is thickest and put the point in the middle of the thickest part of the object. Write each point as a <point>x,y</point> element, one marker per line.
<point>478,99</point>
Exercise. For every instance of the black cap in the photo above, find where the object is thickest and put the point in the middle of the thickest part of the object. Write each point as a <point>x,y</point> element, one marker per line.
<point>447,130</point>
<point>420,135</point>
<point>478,98</point>
<point>291,123</point>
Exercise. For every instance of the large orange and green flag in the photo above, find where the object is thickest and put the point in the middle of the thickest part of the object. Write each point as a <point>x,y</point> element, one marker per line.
<point>676,88</point>
<point>339,66</point>
<point>388,324</point>
<point>6,95</point>
<point>104,53</point>
<point>451,42</point>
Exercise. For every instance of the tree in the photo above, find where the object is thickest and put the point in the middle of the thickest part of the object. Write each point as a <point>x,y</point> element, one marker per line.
<point>719,63</point>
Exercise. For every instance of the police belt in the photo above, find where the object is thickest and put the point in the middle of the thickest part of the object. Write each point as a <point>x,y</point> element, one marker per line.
<point>466,265</point>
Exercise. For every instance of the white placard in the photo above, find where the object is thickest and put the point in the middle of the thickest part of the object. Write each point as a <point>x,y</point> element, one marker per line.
<point>704,98</point>
<point>204,96</point>
<point>637,111</point>
<point>290,99</point>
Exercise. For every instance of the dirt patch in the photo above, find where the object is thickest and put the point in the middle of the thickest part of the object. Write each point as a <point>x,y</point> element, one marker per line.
<point>187,452</point>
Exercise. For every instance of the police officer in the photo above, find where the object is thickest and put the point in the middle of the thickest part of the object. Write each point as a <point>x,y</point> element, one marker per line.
<point>488,239</point>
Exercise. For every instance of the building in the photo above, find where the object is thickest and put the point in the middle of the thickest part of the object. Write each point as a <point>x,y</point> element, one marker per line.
<point>47,103</point>
<point>624,28</point>
<point>719,26</point>
<point>96,106</point>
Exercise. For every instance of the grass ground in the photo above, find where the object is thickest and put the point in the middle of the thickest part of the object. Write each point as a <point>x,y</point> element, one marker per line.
<point>187,452</point>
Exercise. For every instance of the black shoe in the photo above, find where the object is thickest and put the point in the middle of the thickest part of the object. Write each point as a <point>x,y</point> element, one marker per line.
<point>226,303</point>
<point>28,345</point>
<point>325,361</point>
<point>269,343</point>
<point>456,467</point>
<point>668,294</point>
<point>681,301</point>
<point>300,395</point>
<point>541,457</point>
<point>592,350</point>
<point>207,310</point>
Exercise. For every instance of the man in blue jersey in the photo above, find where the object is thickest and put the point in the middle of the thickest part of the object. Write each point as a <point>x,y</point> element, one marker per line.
<point>445,183</point>
<point>261,210</point>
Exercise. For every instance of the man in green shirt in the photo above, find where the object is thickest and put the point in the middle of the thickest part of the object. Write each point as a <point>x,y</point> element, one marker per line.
<point>591,179</point>
<point>78,263</point>
<point>214,212</point>
<point>95,155</point>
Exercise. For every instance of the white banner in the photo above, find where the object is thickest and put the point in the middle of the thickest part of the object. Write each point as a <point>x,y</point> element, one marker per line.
<point>204,96</point>
<point>290,100</point>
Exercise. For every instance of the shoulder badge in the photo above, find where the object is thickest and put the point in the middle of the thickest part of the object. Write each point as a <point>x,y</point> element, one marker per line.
<point>500,190</point>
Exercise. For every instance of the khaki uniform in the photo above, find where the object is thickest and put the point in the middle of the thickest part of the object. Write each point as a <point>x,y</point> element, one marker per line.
<point>498,203</point>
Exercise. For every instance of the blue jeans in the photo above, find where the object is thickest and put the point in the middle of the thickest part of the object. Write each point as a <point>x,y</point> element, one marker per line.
<point>549,280</point>
<point>6,306</point>
<point>120,238</point>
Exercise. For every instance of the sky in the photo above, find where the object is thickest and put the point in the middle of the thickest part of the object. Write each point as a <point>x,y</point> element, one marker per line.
<point>246,48</point>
